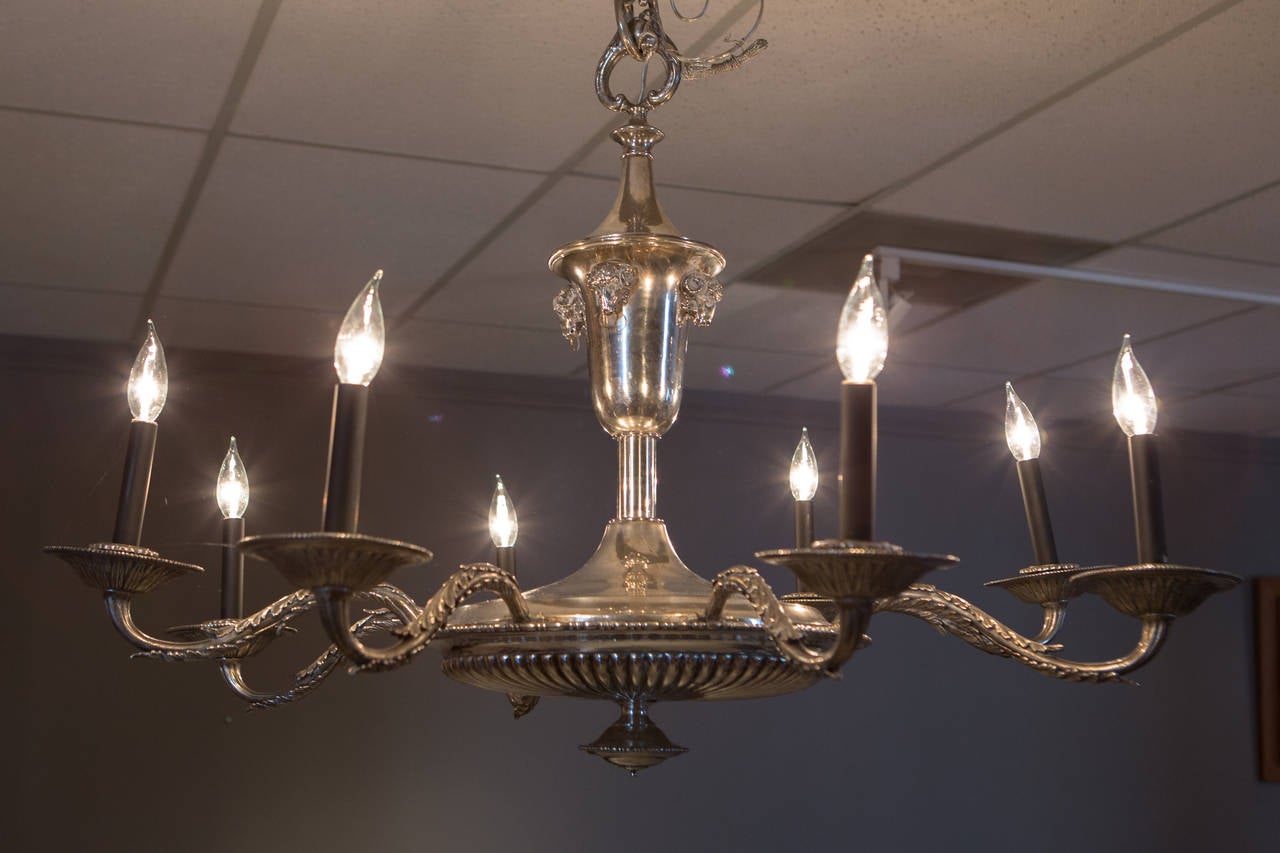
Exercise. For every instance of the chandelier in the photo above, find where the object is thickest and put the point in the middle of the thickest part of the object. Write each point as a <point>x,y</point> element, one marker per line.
<point>634,625</point>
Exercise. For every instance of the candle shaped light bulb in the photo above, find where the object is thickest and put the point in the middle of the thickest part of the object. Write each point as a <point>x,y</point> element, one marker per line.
<point>862,338</point>
<point>1133,401</point>
<point>1020,429</point>
<point>149,379</point>
<point>1023,437</point>
<point>502,518</point>
<point>357,355</point>
<point>804,470</point>
<point>233,484</point>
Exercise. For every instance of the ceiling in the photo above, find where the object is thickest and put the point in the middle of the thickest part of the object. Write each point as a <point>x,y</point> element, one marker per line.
<point>237,169</point>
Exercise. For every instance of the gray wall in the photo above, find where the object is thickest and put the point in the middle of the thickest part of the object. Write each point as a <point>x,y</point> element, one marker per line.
<point>924,744</point>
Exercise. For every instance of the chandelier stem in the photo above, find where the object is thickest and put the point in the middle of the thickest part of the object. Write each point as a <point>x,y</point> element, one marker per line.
<point>637,476</point>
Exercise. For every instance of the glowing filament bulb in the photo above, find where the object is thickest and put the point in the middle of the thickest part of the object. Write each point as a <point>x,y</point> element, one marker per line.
<point>1132,399</point>
<point>149,379</point>
<point>233,484</point>
<point>502,518</point>
<point>804,470</point>
<point>863,336</point>
<point>362,338</point>
<point>1020,430</point>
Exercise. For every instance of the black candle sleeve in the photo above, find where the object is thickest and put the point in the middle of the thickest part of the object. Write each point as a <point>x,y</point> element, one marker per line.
<point>804,524</point>
<point>506,558</point>
<point>1037,508</point>
<point>136,483</point>
<point>1148,503</point>
<point>857,460</point>
<point>346,458</point>
<point>232,569</point>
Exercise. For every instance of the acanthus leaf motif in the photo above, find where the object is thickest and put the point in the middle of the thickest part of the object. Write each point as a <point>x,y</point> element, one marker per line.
<point>612,283</point>
<point>572,311</point>
<point>699,295</point>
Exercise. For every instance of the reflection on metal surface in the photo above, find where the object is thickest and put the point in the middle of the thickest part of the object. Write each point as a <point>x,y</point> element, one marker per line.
<point>633,625</point>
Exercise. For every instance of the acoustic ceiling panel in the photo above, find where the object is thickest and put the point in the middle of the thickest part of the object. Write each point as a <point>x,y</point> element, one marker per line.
<point>1113,160</point>
<point>51,313</point>
<point>1219,353</point>
<point>508,282</point>
<point>1248,229</point>
<point>505,83</point>
<point>852,97</point>
<point>145,60</point>
<point>296,225</point>
<point>1050,323</point>
<point>88,204</point>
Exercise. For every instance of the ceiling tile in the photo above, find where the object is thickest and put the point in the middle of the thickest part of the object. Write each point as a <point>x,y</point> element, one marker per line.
<point>1185,126</point>
<point>145,60</point>
<point>1248,229</point>
<point>45,312</point>
<point>494,349</point>
<point>88,204</point>
<point>208,324</point>
<point>1221,352</point>
<point>1052,399</point>
<point>901,384</point>
<point>507,83</point>
<point>508,283</point>
<point>1045,324</point>
<point>1190,269</point>
<point>709,367</point>
<point>1222,413</point>
<point>775,319</point>
<point>297,225</point>
<point>1262,388</point>
<point>851,97</point>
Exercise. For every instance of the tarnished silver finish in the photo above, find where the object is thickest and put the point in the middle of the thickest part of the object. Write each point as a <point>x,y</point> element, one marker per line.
<point>699,295</point>
<point>1154,589</point>
<point>640,36</point>
<point>846,569</point>
<point>224,639</point>
<point>331,559</point>
<point>521,705</point>
<point>851,619</point>
<point>953,615</point>
<point>572,313</point>
<point>633,742</point>
<point>634,625</point>
<point>111,567</point>
<point>631,268</point>
<point>1041,584</point>
<point>471,578</point>
<point>637,477</point>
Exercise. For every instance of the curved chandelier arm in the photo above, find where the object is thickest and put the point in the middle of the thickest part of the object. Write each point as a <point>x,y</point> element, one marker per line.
<point>227,638</point>
<point>1055,613</point>
<point>747,582</point>
<point>335,610</point>
<point>953,615</point>
<point>314,674</point>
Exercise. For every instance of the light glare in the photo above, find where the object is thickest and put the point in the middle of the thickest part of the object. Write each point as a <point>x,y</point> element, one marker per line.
<point>804,470</point>
<point>503,526</point>
<point>357,355</point>
<point>1020,429</point>
<point>232,491</point>
<point>1133,400</point>
<point>862,340</point>
<point>148,386</point>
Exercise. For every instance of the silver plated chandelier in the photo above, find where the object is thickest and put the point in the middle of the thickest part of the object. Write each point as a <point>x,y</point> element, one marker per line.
<point>634,625</point>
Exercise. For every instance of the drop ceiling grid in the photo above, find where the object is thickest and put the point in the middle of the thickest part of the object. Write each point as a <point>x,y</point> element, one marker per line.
<point>1172,132</point>
<point>717,91</point>
<point>156,61</point>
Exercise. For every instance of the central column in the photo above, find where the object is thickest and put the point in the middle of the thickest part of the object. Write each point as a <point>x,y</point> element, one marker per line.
<point>637,476</point>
